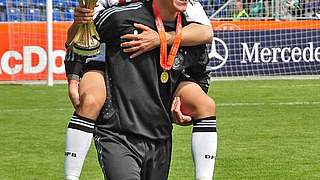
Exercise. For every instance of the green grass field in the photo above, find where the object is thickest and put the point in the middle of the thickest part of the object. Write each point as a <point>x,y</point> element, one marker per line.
<point>268,129</point>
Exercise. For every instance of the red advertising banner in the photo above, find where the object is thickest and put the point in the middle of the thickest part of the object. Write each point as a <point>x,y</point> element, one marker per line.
<point>265,25</point>
<point>23,46</point>
<point>23,51</point>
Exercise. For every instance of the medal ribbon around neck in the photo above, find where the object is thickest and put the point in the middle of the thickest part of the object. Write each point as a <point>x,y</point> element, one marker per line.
<point>166,62</point>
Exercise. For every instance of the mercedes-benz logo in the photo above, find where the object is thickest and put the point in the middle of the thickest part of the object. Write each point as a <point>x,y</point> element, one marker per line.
<point>215,56</point>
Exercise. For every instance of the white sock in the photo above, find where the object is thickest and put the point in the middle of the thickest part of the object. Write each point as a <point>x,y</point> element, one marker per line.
<point>71,178</point>
<point>204,147</point>
<point>77,144</point>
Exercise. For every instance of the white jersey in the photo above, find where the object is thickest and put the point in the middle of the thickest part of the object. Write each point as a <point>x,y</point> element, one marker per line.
<point>194,12</point>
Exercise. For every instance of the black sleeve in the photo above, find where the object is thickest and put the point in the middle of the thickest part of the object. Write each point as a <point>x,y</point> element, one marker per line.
<point>103,26</point>
<point>73,65</point>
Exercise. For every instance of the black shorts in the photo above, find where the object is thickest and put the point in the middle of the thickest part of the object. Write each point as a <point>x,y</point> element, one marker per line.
<point>202,80</point>
<point>197,73</point>
<point>193,61</point>
<point>93,65</point>
<point>77,65</point>
<point>125,156</point>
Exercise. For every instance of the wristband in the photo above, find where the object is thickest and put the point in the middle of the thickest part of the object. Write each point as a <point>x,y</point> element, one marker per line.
<point>73,77</point>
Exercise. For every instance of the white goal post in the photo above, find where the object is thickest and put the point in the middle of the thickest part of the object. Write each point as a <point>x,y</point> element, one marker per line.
<point>49,43</point>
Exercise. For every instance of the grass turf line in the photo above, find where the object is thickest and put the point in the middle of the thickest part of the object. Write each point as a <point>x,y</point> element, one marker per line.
<point>267,130</point>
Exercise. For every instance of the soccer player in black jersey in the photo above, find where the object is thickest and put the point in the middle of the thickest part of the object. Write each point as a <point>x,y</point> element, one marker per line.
<point>133,134</point>
<point>79,130</point>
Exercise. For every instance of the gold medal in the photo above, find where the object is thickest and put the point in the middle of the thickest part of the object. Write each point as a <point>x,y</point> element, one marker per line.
<point>166,61</point>
<point>164,77</point>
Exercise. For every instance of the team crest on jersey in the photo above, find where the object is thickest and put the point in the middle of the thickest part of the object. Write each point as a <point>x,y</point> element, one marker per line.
<point>178,61</point>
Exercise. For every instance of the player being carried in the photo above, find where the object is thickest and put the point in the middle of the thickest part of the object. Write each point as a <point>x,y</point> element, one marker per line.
<point>89,94</point>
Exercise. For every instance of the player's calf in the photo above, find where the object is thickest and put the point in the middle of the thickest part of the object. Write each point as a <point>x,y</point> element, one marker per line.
<point>197,104</point>
<point>92,93</point>
<point>204,138</point>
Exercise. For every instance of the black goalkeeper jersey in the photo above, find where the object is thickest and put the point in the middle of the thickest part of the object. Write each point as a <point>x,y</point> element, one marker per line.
<point>138,103</point>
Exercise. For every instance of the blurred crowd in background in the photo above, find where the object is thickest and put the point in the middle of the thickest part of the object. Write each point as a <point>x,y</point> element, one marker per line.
<point>35,10</point>
<point>262,9</point>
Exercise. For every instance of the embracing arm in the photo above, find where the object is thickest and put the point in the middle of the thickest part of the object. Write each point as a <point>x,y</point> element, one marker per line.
<point>199,31</point>
<point>193,34</point>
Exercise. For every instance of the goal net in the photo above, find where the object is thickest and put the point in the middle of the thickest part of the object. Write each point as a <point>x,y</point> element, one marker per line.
<point>264,38</point>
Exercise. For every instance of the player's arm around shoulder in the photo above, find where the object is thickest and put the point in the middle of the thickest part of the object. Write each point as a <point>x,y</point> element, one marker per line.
<point>192,35</point>
<point>195,34</point>
<point>199,31</point>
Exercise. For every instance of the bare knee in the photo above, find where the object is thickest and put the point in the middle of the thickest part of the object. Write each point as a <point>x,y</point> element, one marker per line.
<point>210,106</point>
<point>90,105</point>
<point>205,108</point>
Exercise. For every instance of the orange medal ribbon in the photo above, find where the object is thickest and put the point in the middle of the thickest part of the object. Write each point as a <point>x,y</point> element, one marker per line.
<point>166,62</point>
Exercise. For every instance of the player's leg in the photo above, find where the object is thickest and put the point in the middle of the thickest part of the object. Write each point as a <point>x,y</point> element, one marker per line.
<point>197,104</point>
<point>157,162</point>
<point>120,156</point>
<point>92,91</point>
